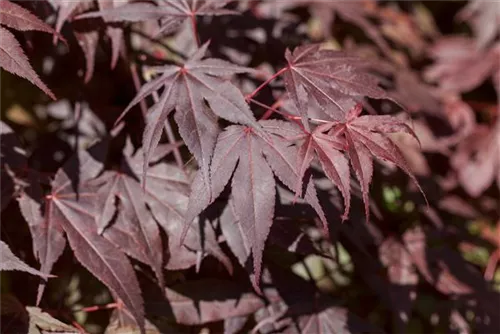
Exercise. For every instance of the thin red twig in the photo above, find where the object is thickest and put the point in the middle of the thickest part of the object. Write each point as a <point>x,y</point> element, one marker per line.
<point>79,327</point>
<point>99,307</point>
<point>271,111</point>
<point>265,83</point>
<point>285,114</point>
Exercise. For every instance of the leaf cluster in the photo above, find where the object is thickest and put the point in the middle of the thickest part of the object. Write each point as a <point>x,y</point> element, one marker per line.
<point>263,177</point>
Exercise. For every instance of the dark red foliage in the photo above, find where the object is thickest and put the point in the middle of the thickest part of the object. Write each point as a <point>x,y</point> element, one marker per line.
<point>224,179</point>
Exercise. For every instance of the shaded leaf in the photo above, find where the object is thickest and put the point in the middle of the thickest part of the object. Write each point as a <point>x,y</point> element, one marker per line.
<point>459,65</point>
<point>477,160</point>
<point>70,208</point>
<point>166,194</point>
<point>133,230</point>
<point>202,301</point>
<point>121,322</point>
<point>88,35</point>
<point>41,323</point>
<point>255,183</point>
<point>76,215</point>
<point>171,13</point>
<point>324,319</point>
<point>333,161</point>
<point>404,278</point>
<point>13,313</point>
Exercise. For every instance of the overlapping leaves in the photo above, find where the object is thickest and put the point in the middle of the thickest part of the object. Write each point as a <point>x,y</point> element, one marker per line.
<point>253,159</point>
<point>186,88</point>
<point>361,137</point>
<point>170,13</point>
<point>70,210</point>
<point>107,215</point>
<point>88,37</point>
<point>138,211</point>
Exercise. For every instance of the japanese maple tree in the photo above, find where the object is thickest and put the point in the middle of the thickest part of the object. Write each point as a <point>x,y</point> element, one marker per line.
<point>261,166</point>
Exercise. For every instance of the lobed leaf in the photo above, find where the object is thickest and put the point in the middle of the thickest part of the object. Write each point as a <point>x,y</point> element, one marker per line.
<point>186,89</point>
<point>171,13</point>
<point>192,303</point>
<point>134,230</point>
<point>328,77</point>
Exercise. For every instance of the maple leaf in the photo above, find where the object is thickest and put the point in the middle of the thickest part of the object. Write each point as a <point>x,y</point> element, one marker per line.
<point>252,177</point>
<point>413,93</point>
<point>70,210</point>
<point>12,57</point>
<point>186,88</point>
<point>329,77</point>
<point>254,160</point>
<point>447,271</point>
<point>121,321</point>
<point>327,149</point>
<point>171,13</point>
<point>9,261</point>
<point>478,173</point>
<point>358,13</point>
<point>89,37</point>
<point>297,307</point>
<point>41,322</point>
<point>319,317</point>
<point>282,159</point>
<point>366,136</point>
<point>134,230</point>
<point>403,276</point>
<point>334,163</point>
<point>191,303</point>
<point>114,33</point>
<point>355,12</point>
<point>166,195</point>
<point>484,17</point>
<point>459,65</point>
<point>47,236</point>
<point>327,141</point>
<point>88,42</point>
<point>283,233</point>
<point>234,235</point>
